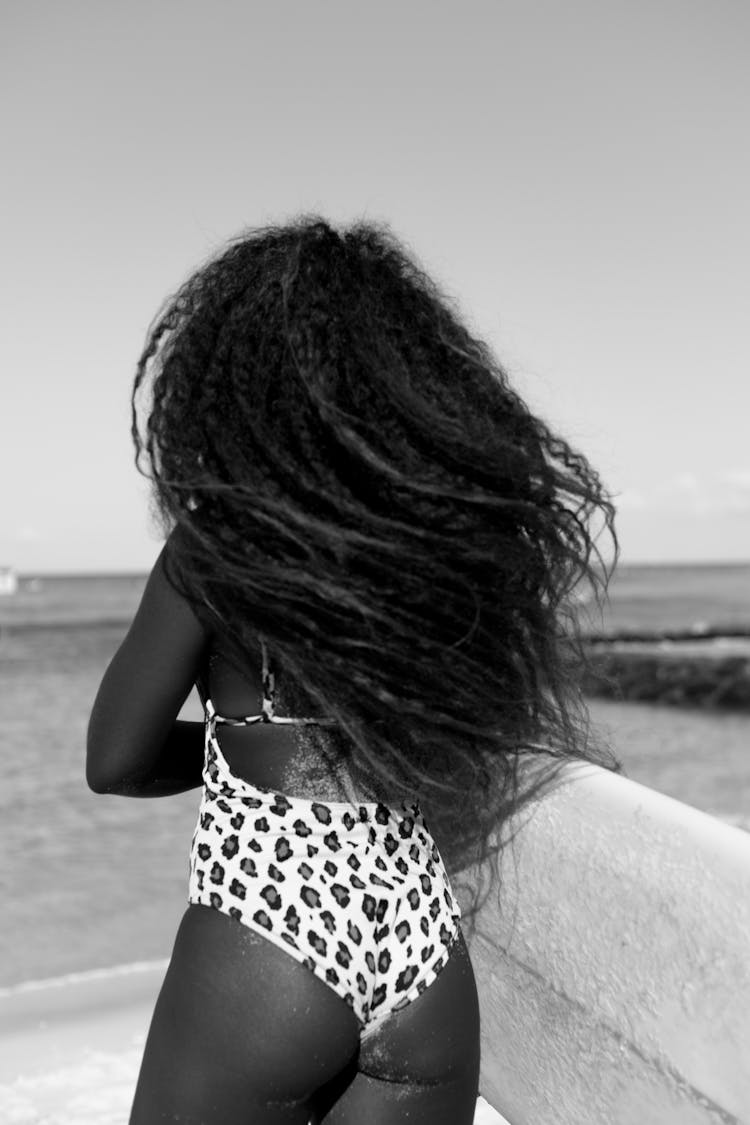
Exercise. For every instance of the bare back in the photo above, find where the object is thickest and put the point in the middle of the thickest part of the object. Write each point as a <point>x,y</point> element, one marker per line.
<point>298,760</point>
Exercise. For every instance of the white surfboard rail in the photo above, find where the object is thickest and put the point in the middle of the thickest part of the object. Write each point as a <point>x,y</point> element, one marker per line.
<point>614,983</point>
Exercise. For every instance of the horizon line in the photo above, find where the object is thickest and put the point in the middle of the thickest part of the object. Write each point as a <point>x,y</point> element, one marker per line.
<point>27,574</point>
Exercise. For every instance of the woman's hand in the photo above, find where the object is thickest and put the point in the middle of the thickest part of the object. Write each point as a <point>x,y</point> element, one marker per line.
<point>135,745</point>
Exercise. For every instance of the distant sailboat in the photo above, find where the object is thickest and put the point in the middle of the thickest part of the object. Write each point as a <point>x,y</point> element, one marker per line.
<point>8,580</point>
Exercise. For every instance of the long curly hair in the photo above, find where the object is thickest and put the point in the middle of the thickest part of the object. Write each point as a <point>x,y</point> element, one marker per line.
<point>354,480</point>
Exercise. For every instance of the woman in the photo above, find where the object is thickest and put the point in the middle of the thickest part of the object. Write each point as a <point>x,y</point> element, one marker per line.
<point>370,546</point>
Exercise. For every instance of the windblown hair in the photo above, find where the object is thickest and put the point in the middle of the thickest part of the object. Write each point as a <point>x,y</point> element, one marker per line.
<point>353,479</point>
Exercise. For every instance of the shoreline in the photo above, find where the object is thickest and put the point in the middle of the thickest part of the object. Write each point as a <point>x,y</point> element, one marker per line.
<point>50,1025</point>
<point>71,1052</point>
<point>71,1047</point>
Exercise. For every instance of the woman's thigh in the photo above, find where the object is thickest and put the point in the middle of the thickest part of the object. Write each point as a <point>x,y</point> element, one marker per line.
<point>241,1031</point>
<point>421,1066</point>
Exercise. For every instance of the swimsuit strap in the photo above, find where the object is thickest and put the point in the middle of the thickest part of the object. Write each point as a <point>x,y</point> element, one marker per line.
<point>268,714</point>
<point>269,687</point>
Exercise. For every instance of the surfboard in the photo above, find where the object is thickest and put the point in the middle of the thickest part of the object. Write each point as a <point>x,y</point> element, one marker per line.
<point>613,963</point>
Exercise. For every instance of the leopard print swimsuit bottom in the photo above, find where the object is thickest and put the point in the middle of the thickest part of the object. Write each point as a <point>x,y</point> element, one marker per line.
<point>356,892</point>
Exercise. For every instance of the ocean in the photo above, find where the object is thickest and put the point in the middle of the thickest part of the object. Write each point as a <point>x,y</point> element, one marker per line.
<point>92,882</point>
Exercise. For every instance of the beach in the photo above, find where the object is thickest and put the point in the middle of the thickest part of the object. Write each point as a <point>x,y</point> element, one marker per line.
<point>71,1047</point>
<point>95,886</point>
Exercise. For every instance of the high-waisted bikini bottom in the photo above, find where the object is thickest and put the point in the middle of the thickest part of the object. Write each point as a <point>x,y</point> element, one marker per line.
<point>357,892</point>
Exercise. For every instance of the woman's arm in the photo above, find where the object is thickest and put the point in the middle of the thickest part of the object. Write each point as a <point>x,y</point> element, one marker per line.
<point>135,746</point>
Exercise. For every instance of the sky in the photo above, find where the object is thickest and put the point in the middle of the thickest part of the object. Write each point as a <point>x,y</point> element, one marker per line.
<point>575,175</point>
